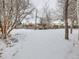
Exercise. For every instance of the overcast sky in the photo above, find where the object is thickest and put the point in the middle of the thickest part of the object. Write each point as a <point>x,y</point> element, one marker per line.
<point>40,3</point>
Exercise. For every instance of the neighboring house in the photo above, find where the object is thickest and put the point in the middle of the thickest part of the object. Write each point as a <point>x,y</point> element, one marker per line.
<point>57,22</point>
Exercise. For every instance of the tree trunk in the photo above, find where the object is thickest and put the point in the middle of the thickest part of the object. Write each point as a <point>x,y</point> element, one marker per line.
<point>36,20</point>
<point>4,23</point>
<point>72,23</point>
<point>66,20</point>
<point>4,33</point>
<point>78,16</point>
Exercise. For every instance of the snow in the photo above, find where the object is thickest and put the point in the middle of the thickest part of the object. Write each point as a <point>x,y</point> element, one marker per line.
<point>42,44</point>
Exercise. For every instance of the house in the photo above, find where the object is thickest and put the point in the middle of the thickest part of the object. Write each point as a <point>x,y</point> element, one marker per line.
<point>57,22</point>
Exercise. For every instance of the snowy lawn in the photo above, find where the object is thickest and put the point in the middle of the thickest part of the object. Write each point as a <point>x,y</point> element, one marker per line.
<point>42,44</point>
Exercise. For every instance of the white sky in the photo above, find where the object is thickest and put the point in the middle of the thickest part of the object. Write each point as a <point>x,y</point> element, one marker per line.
<point>40,3</point>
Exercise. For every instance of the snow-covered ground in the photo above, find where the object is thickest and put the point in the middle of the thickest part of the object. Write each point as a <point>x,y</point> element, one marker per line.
<point>42,44</point>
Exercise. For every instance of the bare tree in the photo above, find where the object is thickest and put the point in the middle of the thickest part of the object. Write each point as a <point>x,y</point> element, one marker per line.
<point>66,19</point>
<point>78,16</point>
<point>46,16</point>
<point>64,7</point>
<point>72,12</point>
<point>12,13</point>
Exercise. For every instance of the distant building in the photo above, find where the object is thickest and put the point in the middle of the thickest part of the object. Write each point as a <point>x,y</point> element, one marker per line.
<point>57,22</point>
